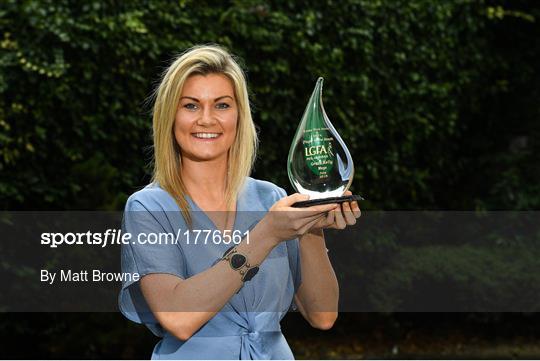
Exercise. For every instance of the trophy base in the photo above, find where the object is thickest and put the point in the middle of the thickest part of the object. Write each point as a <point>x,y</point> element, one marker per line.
<point>316,202</point>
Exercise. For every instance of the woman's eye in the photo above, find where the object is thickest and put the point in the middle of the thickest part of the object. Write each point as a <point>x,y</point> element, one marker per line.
<point>190,106</point>
<point>222,106</point>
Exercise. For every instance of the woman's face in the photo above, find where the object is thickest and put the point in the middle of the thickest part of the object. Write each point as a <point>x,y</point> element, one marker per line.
<point>205,123</point>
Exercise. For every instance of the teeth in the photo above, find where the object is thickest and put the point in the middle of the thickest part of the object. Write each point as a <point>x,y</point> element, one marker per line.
<point>206,135</point>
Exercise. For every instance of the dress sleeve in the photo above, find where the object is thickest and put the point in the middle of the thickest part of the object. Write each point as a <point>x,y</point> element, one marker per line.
<point>293,252</point>
<point>142,258</point>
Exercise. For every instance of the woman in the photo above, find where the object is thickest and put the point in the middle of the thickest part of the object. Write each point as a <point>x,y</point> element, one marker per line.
<point>206,300</point>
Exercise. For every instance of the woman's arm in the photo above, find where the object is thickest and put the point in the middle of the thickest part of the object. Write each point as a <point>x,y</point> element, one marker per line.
<point>183,306</point>
<point>318,295</point>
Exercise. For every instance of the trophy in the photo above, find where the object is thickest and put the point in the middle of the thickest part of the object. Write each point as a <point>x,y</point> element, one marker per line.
<point>319,163</point>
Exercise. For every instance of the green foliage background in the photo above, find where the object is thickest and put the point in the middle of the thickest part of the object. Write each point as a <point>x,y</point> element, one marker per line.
<point>437,101</point>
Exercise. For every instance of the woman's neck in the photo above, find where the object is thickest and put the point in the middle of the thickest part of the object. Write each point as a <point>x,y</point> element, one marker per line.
<point>206,182</point>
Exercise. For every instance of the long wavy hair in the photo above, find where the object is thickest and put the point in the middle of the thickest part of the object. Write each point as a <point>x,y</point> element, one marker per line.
<point>201,60</point>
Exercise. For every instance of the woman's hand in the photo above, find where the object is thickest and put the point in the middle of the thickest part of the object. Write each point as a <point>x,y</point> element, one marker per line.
<point>284,222</point>
<point>341,217</point>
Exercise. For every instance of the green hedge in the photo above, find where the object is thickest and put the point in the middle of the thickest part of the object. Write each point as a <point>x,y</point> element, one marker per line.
<point>421,91</point>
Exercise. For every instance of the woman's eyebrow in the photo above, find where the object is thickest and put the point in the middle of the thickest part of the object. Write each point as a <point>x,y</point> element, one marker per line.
<point>224,96</point>
<point>217,99</point>
<point>192,98</point>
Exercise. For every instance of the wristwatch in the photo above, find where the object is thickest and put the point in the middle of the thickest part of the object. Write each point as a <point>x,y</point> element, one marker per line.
<point>239,262</point>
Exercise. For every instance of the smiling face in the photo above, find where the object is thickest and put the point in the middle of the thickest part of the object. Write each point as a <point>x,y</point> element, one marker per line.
<point>206,118</point>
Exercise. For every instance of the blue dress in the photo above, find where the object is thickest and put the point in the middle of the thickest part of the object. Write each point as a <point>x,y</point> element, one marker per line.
<point>248,326</point>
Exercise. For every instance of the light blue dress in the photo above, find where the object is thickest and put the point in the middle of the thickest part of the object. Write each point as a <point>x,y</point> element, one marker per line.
<point>248,326</point>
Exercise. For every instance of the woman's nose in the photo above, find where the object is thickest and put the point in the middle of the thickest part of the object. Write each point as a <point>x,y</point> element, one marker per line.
<point>207,117</point>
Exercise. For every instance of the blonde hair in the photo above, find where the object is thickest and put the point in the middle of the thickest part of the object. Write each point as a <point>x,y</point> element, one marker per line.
<point>202,60</point>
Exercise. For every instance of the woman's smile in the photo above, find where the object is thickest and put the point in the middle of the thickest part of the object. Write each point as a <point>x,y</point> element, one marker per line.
<point>206,136</point>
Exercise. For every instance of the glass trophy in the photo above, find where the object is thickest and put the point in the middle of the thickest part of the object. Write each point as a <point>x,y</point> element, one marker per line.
<point>319,163</point>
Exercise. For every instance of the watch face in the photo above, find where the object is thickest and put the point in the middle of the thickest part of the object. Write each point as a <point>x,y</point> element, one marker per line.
<point>250,273</point>
<point>237,261</point>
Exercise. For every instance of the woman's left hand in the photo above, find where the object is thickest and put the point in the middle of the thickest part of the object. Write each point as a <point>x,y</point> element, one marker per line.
<point>341,217</point>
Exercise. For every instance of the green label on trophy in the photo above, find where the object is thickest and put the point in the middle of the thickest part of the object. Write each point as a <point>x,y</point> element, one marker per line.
<point>319,151</point>
<point>319,163</point>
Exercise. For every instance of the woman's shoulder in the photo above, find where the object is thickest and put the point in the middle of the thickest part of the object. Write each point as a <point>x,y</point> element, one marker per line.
<point>151,198</point>
<point>154,198</point>
<point>264,189</point>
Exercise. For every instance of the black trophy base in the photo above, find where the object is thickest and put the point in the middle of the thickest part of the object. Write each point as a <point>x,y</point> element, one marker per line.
<point>316,202</point>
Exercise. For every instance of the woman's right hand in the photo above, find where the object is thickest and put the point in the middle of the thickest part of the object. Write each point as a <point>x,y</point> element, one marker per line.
<point>284,222</point>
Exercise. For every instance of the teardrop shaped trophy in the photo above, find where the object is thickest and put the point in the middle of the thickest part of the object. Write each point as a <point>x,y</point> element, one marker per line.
<point>319,163</point>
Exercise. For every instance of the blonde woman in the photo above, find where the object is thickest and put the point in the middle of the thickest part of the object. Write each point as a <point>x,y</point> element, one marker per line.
<point>241,256</point>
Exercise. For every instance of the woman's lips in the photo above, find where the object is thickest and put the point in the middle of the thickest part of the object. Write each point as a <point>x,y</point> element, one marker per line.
<point>206,136</point>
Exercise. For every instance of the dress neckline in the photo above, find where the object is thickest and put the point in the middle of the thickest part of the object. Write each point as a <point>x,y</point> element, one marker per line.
<point>239,207</point>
